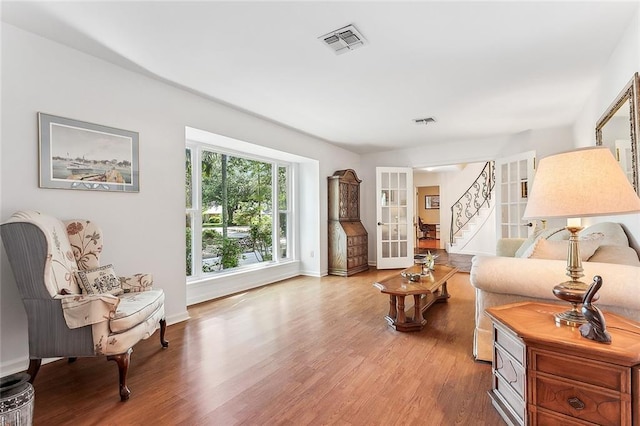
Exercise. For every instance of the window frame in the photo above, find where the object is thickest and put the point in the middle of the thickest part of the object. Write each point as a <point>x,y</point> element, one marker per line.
<point>197,149</point>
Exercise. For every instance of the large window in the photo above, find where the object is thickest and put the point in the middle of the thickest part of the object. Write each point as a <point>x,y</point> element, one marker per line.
<point>237,211</point>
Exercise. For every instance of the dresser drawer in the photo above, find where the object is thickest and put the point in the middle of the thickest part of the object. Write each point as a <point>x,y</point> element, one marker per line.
<point>510,370</point>
<point>511,344</point>
<point>541,417</point>
<point>578,400</point>
<point>608,376</point>
<point>512,401</point>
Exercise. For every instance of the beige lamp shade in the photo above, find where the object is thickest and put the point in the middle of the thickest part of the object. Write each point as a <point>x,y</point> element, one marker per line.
<point>581,183</point>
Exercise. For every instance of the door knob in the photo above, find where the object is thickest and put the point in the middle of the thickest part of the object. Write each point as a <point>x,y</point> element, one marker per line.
<point>380,223</point>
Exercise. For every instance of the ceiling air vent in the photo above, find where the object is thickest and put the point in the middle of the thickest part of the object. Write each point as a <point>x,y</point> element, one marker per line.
<point>344,39</point>
<point>424,120</point>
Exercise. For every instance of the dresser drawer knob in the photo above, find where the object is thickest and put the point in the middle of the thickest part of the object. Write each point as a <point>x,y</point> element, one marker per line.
<point>576,403</point>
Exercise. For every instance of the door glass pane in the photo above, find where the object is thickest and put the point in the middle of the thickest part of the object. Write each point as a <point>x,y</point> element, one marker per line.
<point>384,178</point>
<point>394,249</point>
<point>522,172</point>
<point>385,249</point>
<point>403,181</point>
<point>393,200</point>
<point>384,198</point>
<point>385,215</point>
<point>402,217</point>
<point>504,216</point>
<point>513,214</point>
<point>393,180</point>
<point>504,173</point>
<point>513,191</point>
<point>403,249</point>
<point>385,232</point>
<point>403,232</point>
<point>403,197</point>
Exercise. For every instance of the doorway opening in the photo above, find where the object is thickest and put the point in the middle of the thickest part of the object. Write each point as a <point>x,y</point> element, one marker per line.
<point>428,217</point>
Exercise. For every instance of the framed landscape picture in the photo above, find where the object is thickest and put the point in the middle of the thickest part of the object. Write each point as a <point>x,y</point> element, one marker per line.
<point>432,202</point>
<point>79,155</point>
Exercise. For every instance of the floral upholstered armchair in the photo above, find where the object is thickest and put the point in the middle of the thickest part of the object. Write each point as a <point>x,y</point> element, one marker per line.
<point>75,307</point>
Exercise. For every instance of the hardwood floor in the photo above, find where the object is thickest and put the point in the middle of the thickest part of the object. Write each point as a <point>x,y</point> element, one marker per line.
<point>424,243</point>
<point>303,351</point>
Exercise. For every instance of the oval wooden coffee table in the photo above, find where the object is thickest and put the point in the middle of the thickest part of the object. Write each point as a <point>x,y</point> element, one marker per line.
<point>431,288</point>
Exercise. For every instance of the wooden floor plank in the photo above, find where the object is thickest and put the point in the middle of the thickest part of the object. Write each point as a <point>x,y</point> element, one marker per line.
<point>303,351</point>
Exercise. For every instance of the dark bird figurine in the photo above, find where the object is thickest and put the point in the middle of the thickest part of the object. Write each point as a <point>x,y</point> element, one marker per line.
<point>595,328</point>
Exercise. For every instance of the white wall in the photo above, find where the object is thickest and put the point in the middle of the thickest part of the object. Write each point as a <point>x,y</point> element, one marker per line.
<point>144,232</point>
<point>620,68</point>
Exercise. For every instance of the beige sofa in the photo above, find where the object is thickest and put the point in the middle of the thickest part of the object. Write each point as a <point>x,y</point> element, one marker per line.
<point>504,279</point>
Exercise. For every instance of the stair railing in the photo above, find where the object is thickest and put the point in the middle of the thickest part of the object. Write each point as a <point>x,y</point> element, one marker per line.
<point>474,198</point>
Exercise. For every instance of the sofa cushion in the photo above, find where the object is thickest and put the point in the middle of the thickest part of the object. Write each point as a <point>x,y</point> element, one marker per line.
<point>135,308</point>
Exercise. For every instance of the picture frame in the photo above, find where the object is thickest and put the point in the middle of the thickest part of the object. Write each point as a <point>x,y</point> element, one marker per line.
<point>431,201</point>
<point>79,155</point>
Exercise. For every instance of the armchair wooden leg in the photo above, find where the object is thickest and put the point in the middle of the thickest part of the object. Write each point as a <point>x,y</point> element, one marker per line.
<point>34,367</point>
<point>123,367</point>
<point>163,328</point>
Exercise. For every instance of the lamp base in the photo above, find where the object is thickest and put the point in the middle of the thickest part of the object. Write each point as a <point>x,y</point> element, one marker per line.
<point>572,292</point>
<point>572,318</point>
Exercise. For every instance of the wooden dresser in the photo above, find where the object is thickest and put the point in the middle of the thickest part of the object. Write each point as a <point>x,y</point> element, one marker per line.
<point>348,242</point>
<point>549,375</point>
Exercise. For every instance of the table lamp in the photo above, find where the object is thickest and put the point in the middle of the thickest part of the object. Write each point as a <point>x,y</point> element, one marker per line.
<point>581,183</point>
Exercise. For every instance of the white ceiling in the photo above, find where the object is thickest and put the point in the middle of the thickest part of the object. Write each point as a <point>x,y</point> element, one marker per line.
<point>481,69</point>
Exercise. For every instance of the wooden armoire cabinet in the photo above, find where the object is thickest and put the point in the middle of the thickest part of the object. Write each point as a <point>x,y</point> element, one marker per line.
<point>348,245</point>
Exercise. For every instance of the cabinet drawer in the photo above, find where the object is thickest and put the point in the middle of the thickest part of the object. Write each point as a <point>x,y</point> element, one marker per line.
<point>509,397</point>
<point>510,370</point>
<point>542,417</point>
<point>579,400</point>
<point>511,344</point>
<point>584,370</point>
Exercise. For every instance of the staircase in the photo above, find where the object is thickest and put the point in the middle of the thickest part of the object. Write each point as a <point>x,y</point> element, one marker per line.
<point>472,210</point>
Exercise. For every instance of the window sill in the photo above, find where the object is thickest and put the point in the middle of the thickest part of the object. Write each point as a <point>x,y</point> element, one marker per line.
<point>225,283</point>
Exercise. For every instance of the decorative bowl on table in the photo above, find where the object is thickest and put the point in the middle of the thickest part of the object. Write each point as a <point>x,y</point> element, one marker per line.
<point>411,276</point>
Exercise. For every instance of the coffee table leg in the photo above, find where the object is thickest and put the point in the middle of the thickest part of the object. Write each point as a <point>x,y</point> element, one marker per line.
<point>443,292</point>
<point>392,307</point>
<point>417,312</point>
<point>401,318</point>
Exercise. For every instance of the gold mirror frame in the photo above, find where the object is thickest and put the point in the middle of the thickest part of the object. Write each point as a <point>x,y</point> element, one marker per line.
<point>628,96</point>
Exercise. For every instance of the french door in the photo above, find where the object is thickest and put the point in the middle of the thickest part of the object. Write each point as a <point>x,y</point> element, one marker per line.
<point>514,178</point>
<point>394,214</point>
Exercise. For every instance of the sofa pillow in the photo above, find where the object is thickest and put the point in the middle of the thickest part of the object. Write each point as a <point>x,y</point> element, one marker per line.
<point>615,254</point>
<point>614,235</point>
<point>99,281</point>
<point>531,240</point>
<point>558,250</point>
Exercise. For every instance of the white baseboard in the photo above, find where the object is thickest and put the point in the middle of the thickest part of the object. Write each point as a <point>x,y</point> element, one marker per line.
<point>20,364</point>
<point>174,319</point>
<point>313,274</point>
<point>14,366</point>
